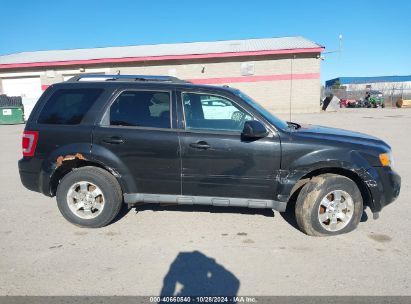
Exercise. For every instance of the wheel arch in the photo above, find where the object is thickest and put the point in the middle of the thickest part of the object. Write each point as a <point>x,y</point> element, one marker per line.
<point>69,165</point>
<point>362,186</point>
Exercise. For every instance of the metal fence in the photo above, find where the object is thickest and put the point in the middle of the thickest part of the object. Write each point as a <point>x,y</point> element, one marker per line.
<point>391,92</point>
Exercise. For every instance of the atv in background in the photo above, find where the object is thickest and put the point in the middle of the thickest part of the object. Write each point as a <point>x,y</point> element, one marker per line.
<point>374,99</point>
<point>353,103</point>
<point>349,103</point>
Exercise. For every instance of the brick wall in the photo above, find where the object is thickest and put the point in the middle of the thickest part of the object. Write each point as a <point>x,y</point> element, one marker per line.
<point>274,95</point>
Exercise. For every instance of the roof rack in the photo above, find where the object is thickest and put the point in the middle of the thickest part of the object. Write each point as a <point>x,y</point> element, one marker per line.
<point>145,78</point>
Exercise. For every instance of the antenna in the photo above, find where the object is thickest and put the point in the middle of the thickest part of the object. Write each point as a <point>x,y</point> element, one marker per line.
<point>339,51</point>
<point>291,82</point>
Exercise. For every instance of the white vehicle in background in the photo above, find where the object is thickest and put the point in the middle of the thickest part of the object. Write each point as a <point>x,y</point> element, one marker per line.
<point>216,108</point>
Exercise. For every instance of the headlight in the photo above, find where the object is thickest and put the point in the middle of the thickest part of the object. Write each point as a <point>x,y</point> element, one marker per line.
<point>386,159</point>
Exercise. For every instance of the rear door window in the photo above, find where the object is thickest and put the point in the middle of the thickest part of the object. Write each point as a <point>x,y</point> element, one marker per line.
<point>67,106</point>
<point>141,109</point>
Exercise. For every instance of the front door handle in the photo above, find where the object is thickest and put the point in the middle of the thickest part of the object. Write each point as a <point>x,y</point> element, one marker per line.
<point>114,140</point>
<point>202,145</point>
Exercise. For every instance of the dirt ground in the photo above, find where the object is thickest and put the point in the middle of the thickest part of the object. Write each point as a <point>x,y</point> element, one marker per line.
<point>185,250</point>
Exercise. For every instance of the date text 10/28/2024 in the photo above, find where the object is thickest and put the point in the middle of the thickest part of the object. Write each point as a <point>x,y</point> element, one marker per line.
<point>203,299</point>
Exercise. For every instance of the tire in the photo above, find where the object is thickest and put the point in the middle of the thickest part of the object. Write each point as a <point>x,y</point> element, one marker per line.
<point>109,198</point>
<point>322,190</point>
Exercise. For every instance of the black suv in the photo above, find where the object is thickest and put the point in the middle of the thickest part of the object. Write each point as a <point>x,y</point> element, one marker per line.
<point>97,141</point>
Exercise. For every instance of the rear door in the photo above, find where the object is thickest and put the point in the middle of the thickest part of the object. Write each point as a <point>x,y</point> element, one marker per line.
<point>216,160</point>
<point>138,139</point>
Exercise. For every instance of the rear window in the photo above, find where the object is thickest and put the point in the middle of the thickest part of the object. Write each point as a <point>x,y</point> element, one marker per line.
<point>68,107</point>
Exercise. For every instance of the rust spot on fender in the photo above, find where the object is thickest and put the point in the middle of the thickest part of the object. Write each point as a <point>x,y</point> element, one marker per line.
<point>62,158</point>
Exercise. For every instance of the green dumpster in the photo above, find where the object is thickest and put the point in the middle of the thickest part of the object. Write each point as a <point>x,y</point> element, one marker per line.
<point>11,115</point>
<point>11,110</point>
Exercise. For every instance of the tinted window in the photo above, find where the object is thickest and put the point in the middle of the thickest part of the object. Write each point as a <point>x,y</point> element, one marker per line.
<point>141,109</point>
<point>68,107</point>
<point>213,113</point>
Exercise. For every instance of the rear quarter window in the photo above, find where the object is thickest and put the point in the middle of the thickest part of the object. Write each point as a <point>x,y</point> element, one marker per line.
<point>68,106</point>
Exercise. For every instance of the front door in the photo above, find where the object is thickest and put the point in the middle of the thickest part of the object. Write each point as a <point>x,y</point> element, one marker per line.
<point>216,161</point>
<point>137,138</point>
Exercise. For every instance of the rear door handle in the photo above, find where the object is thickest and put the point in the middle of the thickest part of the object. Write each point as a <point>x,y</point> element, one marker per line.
<point>114,140</point>
<point>202,145</point>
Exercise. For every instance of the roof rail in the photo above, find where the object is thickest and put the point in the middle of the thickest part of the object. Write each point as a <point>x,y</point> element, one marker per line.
<point>146,78</point>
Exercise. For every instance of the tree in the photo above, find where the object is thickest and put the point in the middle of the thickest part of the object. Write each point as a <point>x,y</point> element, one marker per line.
<point>336,85</point>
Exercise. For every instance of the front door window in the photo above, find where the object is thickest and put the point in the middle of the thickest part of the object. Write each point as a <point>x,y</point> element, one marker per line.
<point>213,113</point>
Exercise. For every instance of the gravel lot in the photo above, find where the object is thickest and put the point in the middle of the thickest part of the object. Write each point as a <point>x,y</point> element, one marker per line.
<point>247,252</point>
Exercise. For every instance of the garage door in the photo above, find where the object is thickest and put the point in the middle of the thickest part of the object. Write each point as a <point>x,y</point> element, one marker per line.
<point>29,87</point>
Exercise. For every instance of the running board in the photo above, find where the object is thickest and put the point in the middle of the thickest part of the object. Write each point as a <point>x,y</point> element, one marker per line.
<point>132,198</point>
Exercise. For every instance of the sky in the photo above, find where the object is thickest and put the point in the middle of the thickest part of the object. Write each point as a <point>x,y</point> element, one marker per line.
<point>376,34</point>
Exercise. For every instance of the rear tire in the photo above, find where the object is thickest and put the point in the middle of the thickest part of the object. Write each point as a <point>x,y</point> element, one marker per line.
<point>89,197</point>
<point>329,204</point>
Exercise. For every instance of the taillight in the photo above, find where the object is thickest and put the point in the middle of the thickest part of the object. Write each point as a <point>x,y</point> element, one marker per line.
<point>29,142</point>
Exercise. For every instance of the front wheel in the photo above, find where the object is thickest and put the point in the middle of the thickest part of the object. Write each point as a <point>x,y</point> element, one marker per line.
<point>329,204</point>
<point>89,197</point>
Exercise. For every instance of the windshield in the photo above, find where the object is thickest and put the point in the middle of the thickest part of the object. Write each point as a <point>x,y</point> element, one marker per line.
<point>266,114</point>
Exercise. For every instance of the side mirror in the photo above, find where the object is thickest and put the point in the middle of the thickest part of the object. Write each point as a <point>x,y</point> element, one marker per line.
<point>254,129</point>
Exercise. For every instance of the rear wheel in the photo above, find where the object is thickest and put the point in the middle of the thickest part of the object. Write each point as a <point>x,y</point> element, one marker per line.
<point>329,204</point>
<point>89,197</point>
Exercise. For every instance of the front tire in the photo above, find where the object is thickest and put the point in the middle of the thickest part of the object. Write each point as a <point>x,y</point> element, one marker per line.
<point>89,197</point>
<point>329,204</point>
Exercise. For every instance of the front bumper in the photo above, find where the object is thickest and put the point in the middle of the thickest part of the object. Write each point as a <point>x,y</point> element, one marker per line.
<point>384,185</point>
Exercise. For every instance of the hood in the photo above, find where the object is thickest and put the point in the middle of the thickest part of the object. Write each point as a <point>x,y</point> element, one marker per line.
<point>340,135</point>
